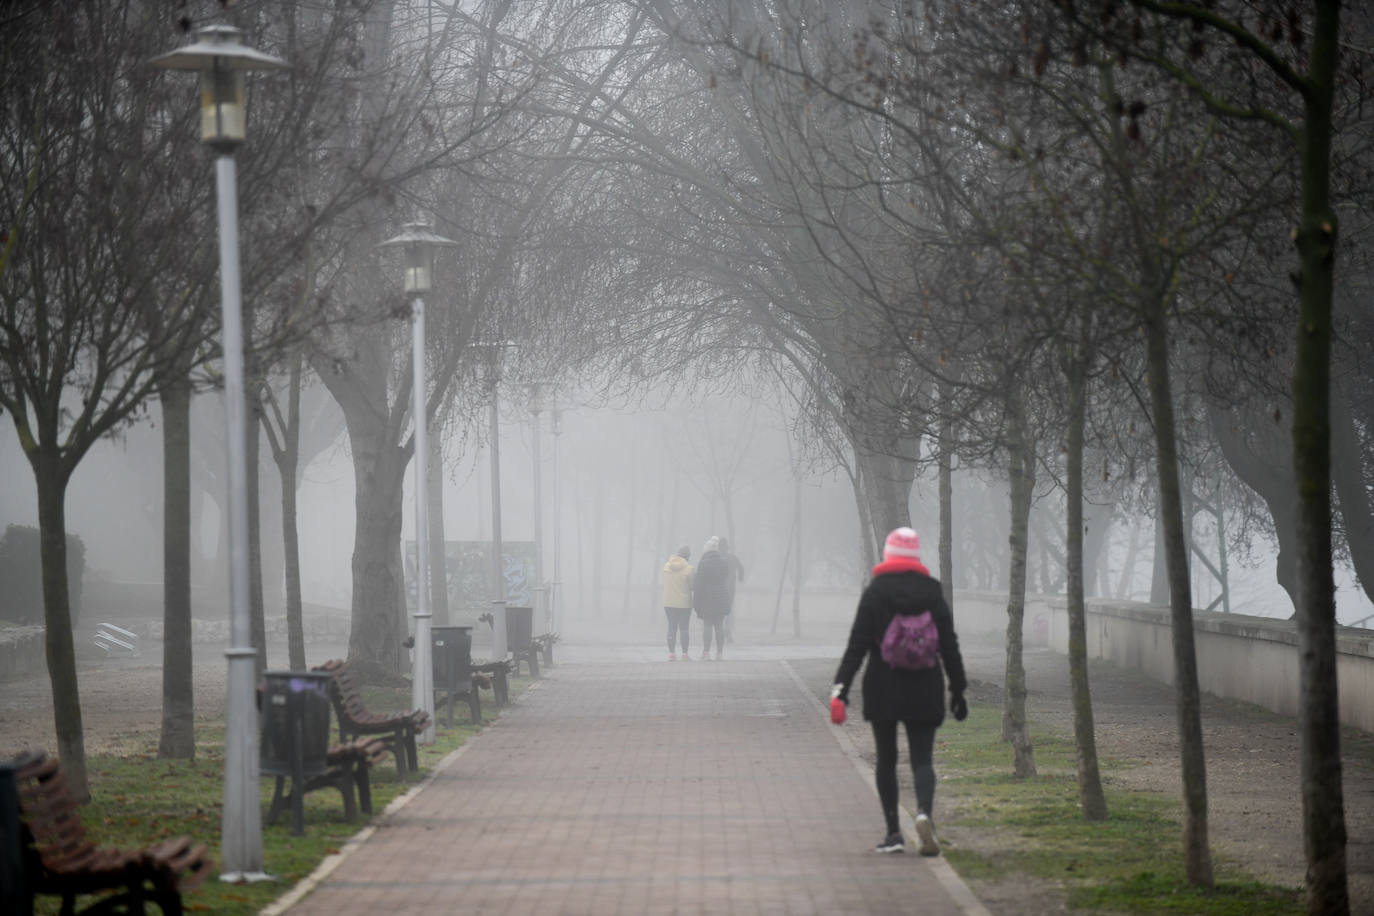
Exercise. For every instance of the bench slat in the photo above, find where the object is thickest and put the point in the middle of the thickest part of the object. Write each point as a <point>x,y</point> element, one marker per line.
<point>61,861</point>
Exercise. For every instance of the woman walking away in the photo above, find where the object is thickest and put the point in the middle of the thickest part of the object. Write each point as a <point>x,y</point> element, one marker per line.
<point>711,596</point>
<point>677,601</point>
<point>906,631</point>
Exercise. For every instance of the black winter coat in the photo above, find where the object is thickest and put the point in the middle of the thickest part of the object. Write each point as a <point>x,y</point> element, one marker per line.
<point>897,694</point>
<point>711,586</point>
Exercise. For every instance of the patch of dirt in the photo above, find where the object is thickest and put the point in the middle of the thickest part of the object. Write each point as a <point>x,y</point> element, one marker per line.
<point>121,702</point>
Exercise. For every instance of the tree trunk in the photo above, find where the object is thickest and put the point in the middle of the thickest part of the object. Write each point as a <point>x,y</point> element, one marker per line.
<point>1197,856</point>
<point>61,648</point>
<point>1159,569</point>
<point>1090,796</point>
<point>867,525</point>
<point>295,612</point>
<point>377,473</point>
<point>887,484</point>
<point>1319,714</point>
<point>1097,526</point>
<point>797,570</point>
<point>253,484</point>
<point>1264,462</point>
<point>630,536</point>
<point>946,473</point>
<point>438,554</point>
<point>178,737</point>
<point>655,587</point>
<point>1021,470</point>
<point>1354,497</point>
<point>598,544</point>
<point>284,440</point>
<point>1123,585</point>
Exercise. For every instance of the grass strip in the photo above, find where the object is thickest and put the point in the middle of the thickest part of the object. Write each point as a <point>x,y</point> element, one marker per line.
<point>1130,863</point>
<point>138,799</point>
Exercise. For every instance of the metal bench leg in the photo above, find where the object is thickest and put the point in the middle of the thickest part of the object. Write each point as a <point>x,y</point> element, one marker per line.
<point>278,802</point>
<point>412,754</point>
<point>345,781</point>
<point>363,781</point>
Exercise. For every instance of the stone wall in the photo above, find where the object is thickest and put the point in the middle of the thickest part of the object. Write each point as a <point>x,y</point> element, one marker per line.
<point>1254,659</point>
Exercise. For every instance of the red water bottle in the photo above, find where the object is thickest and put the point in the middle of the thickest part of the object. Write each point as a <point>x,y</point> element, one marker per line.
<point>838,710</point>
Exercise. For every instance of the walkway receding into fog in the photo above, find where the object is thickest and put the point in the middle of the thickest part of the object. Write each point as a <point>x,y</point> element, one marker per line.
<point>624,784</point>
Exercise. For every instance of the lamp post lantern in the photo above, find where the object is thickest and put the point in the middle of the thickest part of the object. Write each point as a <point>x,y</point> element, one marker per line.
<point>221,59</point>
<point>418,244</point>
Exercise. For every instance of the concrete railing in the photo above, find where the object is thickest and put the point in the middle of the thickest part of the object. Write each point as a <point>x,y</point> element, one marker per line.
<point>1254,659</point>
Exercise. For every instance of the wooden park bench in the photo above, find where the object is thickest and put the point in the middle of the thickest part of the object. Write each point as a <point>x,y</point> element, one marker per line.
<point>59,859</point>
<point>397,730</point>
<point>520,639</point>
<point>529,654</point>
<point>498,675</point>
<point>544,643</point>
<point>350,764</point>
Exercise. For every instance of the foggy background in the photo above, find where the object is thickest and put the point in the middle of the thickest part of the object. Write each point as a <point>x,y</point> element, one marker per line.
<point>632,484</point>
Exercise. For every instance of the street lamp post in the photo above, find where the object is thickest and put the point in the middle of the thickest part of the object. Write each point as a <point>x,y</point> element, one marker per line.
<point>556,594</point>
<point>221,59</point>
<point>491,351</point>
<point>536,390</point>
<point>499,642</point>
<point>418,245</point>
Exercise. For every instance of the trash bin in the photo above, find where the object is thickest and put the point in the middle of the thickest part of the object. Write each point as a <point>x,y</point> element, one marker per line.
<point>295,732</point>
<point>520,637</point>
<point>519,627</point>
<point>452,657</point>
<point>12,897</point>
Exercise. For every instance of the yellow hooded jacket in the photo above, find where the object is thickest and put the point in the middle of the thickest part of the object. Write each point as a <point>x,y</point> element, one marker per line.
<point>677,582</point>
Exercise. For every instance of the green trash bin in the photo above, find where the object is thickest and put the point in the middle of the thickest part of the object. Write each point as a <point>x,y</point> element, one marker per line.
<point>451,654</point>
<point>520,637</point>
<point>295,732</point>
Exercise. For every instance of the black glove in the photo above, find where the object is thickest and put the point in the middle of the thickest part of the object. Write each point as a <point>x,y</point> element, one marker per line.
<point>958,706</point>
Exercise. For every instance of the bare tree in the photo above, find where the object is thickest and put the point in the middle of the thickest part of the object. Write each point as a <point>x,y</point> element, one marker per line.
<point>78,281</point>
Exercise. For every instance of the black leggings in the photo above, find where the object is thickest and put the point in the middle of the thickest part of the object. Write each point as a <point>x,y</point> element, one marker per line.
<point>921,739</point>
<point>679,622</point>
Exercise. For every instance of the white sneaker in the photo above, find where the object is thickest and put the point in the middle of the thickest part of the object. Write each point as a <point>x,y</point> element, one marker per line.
<point>891,843</point>
<point>925,831</point>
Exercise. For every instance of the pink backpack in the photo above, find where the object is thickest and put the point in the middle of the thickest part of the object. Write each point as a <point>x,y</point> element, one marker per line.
<point>911,641</point>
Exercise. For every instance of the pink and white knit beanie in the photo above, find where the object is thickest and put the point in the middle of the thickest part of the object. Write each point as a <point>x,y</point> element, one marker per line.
<point>902,542</point>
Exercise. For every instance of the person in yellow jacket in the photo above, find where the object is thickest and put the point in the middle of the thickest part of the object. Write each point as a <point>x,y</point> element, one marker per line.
<point>677,600</point>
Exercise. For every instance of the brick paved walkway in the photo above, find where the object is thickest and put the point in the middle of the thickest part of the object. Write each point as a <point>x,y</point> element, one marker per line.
<point>636,788</point>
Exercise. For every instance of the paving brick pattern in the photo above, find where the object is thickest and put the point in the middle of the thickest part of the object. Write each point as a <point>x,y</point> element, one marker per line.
<point>638,789</point>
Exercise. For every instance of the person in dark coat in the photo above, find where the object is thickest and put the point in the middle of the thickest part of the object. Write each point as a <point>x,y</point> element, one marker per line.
<point>711,596</point>
<point>736,575</point>
<point>914,697</point>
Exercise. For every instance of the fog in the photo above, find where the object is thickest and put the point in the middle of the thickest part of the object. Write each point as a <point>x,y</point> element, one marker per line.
<point>627,485</point>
